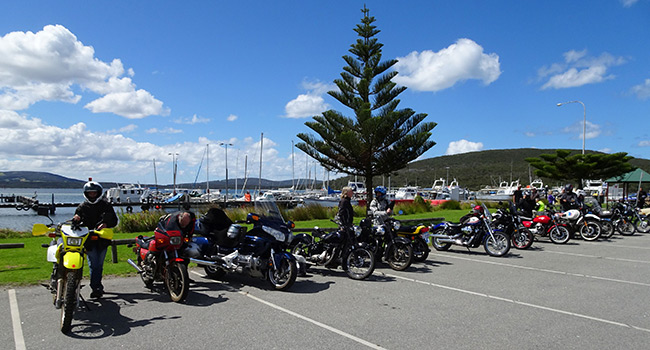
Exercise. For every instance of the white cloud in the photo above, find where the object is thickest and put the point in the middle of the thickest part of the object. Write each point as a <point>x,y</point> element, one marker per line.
<point>195,119</point>
<point>644,144</point>
<point>463,146</point>
<point>232,118</point>
<point>642,91</point>
<point>126,129</point>
<point>32,145</point>
<point>309,104</point>
<point>434,71</point>
<point>163,131</point>
<point>592,130</point>
<point>578,69</point>
<point>44,66</point>
<point>628,3</point>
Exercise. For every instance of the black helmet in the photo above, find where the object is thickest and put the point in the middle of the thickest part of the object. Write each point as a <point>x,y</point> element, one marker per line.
<point>92,186</point>
<point>568,187</point>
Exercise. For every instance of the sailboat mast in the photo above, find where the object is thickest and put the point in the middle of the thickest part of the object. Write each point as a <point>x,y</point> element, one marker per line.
<point>207,170</point>
<point>259,185</point>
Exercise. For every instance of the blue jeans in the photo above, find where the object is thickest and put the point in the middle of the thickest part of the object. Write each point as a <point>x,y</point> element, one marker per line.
<point>96,267</point>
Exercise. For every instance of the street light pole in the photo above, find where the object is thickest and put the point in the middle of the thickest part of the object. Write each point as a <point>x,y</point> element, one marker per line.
<point>584,121</point>
<point>225,144</point>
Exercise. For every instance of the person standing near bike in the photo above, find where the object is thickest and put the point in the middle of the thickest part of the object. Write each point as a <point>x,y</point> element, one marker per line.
<point>346,213</point>
<point>95,213</point>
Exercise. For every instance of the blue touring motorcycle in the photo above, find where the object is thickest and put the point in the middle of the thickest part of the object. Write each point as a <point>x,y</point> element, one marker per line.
<point>223,247</point>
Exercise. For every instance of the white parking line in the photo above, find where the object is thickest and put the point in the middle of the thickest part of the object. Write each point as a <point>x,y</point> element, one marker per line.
<point>15,319</point>
<point>521,303</point>
<point>599,257</point>
<point>319,324</point>
<point>546,270</point>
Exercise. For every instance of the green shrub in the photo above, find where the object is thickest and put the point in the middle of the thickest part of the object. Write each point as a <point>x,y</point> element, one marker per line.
<point>450,205</point>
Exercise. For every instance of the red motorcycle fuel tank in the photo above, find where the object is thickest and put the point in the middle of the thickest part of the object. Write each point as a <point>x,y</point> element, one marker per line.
<point>542,219</point>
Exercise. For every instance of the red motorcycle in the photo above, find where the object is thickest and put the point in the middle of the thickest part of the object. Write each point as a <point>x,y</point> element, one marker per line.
<point>159,261</point>
<point>548,224</point>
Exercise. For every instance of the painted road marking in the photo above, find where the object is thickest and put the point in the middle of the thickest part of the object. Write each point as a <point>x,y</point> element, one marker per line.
<point>546,270</point>
<point>15,319</point>
<point>304,318</point>
<point>520,303</point>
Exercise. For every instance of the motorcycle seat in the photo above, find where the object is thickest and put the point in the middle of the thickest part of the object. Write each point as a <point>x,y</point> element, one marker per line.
<point>454,225</point>
<point>408,229</point>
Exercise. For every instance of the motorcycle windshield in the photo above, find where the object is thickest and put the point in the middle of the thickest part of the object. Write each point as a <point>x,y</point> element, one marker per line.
<point>488,215</point>
<point>269,210</point>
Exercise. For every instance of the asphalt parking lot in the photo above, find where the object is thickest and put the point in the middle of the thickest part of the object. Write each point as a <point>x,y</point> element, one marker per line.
<point>582,295</point>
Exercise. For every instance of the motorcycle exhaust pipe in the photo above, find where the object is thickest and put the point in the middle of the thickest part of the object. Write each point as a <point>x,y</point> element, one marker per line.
<point>444,238</point>
<point>135,266</point>
<point>205,262</point>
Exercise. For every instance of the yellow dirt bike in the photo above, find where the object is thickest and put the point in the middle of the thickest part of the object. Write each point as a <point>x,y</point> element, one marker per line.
<point>419,236</point>
<point>66,251</point>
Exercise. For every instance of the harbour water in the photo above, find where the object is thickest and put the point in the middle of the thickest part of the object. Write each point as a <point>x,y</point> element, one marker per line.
<point>23,220</point>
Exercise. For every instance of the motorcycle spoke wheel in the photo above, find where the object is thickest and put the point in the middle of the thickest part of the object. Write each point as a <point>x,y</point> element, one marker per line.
<point>437,245</point>
<point>69,301</point>
<point>359,263</point>
<point>559,234</point>
<point>420,250</point>
<point>178,282</point>
<point>285,275</point>
<point>625,228</point>
<point>400,256</point>
<point>497,244</point>
<point>522,239</point>
<point>643,225</point>
<point>590,231</point>
<point>300,249</point>
<point>606,229</point>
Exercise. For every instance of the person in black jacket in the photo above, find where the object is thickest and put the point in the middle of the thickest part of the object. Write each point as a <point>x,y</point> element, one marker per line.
<point>346,213</point>
<point>95,213</point>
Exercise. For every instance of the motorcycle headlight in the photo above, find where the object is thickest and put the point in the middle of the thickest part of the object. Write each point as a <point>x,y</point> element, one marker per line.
<point>381,230</point>
<point>74,241</point>
<point>176,240</point>
<point>277,234</point>
<point>357,231</point>
<point>397,225</point>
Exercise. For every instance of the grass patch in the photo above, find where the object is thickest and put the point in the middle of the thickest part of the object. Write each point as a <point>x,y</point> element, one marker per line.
<point>28,265</point>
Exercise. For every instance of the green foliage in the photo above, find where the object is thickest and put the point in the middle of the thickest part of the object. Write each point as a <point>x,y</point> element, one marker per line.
<point>380,138</point>
<point>450,205</point>
<point>7,233</point>
<point>310,212</point>
<point>144,221</point>
<point>563,165</point>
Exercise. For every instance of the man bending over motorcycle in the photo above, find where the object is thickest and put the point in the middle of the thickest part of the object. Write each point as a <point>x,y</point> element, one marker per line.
<point>95,213</point>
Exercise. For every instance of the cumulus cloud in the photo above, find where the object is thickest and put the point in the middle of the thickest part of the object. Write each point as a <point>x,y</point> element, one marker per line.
<point>30,144</point>
<point>309,104</point>
<point>434,71</point>
<point>642,91</point>
<point>644,143</point>
<point>463,146</point>
<point>628,3</point>
<point>578,69</point>
<point>46,65</point>
<point>125,129</point>
<point>163,131</point>
<point>232,118</point>
<point>592,130</point>
<point>195,119</point>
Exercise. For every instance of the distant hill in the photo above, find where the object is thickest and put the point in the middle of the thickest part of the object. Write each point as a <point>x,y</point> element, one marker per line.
<point>473,170</point>
<point>35,179</point>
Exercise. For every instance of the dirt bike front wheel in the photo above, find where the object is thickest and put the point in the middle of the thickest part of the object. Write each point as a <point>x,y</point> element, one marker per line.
<point>69,300</point>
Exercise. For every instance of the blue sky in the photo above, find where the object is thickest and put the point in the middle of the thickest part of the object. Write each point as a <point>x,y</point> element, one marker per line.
<point>102,88</point>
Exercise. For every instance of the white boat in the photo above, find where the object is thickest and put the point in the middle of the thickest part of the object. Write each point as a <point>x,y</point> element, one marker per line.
<point>125,193</point>
<point>503,193</point>
<point>593,187</point>
<point>405,193</point>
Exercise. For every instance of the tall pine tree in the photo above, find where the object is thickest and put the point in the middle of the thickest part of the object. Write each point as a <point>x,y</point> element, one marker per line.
<point>380,138</point>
